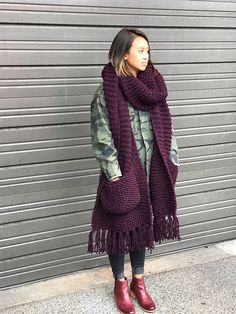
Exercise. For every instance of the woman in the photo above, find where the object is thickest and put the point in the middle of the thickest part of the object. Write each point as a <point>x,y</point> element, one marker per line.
<point>133,142</point>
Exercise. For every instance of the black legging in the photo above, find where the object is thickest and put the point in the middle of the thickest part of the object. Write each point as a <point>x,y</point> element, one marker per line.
<point>137,259</point>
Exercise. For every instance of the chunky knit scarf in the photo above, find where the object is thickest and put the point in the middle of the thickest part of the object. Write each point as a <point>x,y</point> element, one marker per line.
<point>130,214</point>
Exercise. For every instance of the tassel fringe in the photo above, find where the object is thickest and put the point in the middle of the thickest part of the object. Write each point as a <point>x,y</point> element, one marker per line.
<point>114,242</point>
<point>123,242</point>
<point>166,228</point>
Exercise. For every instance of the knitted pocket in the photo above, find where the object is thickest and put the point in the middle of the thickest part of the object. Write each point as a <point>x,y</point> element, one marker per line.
<point>121,196</point>
<point>173,170</point>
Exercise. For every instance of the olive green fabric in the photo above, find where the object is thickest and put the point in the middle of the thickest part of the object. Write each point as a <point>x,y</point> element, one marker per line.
<point>102,142</point>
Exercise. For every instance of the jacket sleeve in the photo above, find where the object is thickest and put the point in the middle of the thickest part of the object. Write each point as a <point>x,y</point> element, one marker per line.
<point>174,151</point>
<point>101,136</point>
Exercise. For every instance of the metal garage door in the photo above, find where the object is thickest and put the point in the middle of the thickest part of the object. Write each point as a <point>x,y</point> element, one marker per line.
<point>51,58</point>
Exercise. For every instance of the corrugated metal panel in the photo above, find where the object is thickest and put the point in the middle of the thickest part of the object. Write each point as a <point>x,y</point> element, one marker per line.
<point>51,56</point>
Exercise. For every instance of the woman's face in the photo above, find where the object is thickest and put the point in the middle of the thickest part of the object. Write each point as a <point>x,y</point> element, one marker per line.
<point>138,56</point>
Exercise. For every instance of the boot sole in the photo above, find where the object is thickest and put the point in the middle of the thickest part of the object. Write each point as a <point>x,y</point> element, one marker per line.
<point>134,297</point>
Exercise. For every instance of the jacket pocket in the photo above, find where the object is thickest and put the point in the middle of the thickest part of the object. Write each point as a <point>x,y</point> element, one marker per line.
<point>121,196</point>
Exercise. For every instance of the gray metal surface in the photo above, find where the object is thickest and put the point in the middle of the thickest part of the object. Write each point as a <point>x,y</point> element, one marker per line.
<point>51,56</point>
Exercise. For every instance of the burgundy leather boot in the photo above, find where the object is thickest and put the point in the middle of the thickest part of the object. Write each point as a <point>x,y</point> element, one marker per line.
<point>122,297</point>
<point>138,291</point>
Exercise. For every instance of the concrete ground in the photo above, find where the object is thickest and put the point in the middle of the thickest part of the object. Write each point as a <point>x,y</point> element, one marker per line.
<point>197,281</point>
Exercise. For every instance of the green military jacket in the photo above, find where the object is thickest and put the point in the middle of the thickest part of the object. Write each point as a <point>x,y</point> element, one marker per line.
<point>102,141</point>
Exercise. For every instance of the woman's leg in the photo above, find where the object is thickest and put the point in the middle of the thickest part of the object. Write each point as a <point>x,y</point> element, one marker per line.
<point>137,286</point>
<point>121,288</point>
<point>137,259</point>
<point>117,265</point>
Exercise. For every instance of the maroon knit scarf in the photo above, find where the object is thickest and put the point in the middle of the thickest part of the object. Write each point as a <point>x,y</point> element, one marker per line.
<point>129,214</point>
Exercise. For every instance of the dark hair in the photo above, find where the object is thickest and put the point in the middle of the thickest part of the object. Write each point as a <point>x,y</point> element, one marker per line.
<point>120,46</point>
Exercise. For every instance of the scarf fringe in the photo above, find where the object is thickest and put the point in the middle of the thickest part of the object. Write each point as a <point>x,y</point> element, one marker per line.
<point>123,242</point>
<point>166,228</point>
<point>120,242</point>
